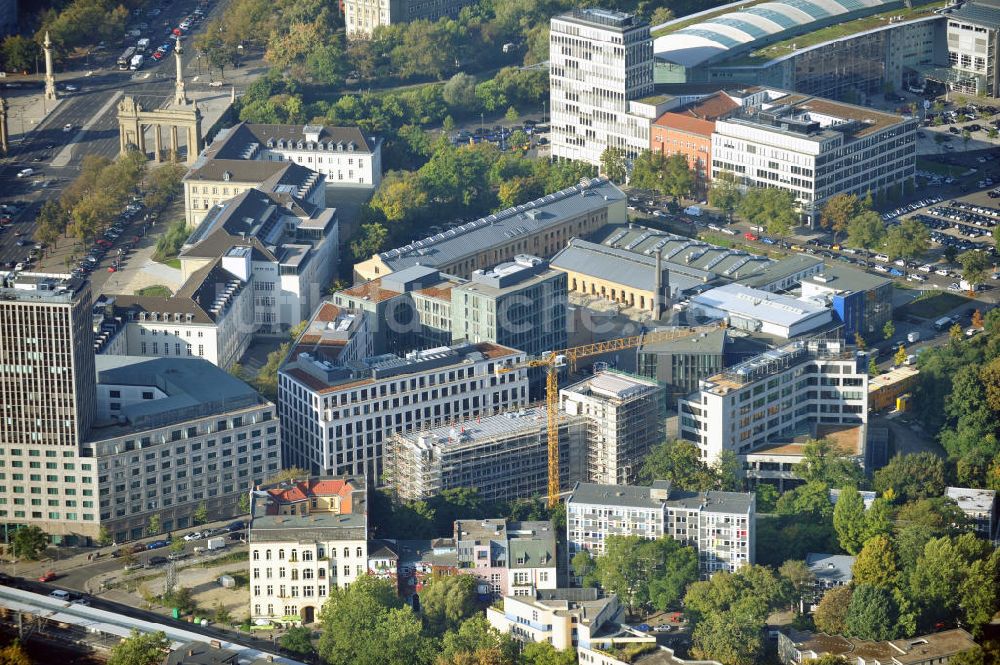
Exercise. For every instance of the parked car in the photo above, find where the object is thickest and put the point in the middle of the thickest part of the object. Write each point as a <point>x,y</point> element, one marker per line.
<point>59,594</point>
<point>157,544</point>
<point>47,576</point>
<point>157,560</point>
<point>194,535</point>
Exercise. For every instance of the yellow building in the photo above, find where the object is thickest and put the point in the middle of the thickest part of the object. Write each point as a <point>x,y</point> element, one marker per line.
<point>885,388</point>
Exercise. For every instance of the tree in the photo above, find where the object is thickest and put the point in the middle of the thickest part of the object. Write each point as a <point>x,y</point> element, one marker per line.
<point>221,614</point>
<point>677,178</point>
<point>907,239</point>
<point>873,370</point>
<point>176,545</point>
<point>876,565</point>
<point>977,319</point>
<point>646,573</point>
<point>153,525</point>
<point>29,542</point>
<point>140,649</point>
<point>460,92</point>
<point>679,462</point>
<point>878,519</point>
<point>799,577</point>
<point>865,231</point>
<point>298,640</point>
<point>888,330</point>
<point>831,613</point>
<point>849,520</point>
<point>18,53</point>
<point>292,473</point>
<point>872,614</point>
<point>770,209</point>
<point>974,267</point>
<point>899,359</point>
<point>955,333</point>
<point>911,477</point>
<point>512,115</point>
<point>973,656</point>
<point>613,164</point>
<point>583,566</point>
<point>371,241</point>
<point>243,506</point>
<point>725,193</point>
<point>104,536</point>
<point>543,653</point>
<point>14,654</point>
<point>859,342</point>
<point>661,15</point>
<point>200,514</point>
<point>824,462</point>
<point>368,624</point>
<point>839,210</point>
<point>447,602</point>
<point>477,642</point>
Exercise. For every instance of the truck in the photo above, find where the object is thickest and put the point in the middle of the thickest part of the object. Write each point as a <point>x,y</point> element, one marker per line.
<point>213,544</point>
<point>943,323</point>
<point>913,337</point>
<point>125,59</point>
<point>136,62</point>
<point>142,45</point>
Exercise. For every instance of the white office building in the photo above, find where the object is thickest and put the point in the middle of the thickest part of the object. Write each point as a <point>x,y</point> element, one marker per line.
<point>775,396</point>
<point>599,62</point>
<point>762,312</point>
<point>342,408</point>
<point>719,525</point>
<point>814,147</point>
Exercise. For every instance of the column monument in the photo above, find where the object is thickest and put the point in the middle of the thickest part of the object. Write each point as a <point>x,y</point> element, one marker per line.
<point>50,79</point>
<point>180,96</point>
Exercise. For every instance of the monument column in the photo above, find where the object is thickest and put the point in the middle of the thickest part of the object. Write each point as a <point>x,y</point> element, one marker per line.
<point>180,96</point>
<point>50,79</point>
<point>4,139</point>
<point>158,141</point>
<point>175,149</point>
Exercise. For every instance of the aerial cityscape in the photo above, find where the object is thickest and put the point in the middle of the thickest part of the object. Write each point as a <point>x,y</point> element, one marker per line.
<point>500,332</point>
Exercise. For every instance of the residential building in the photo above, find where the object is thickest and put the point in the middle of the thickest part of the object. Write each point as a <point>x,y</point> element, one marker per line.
<point>688,131</point>
<point>505,457</point>
<point>829,571</point>
<point>797,647</point>
<point>508,558</point>
<point>541,228</point>
<point>624,422</point>
<point>306,537</point>
<point>286,246</point>
<point>211,317</point>
<point>211,182</point>
<point>719,525</point>
<point>981,507</point>
<point>599,61</point>
<point>171,435</point>
<point>862,302</point>
<point>777,394</point>
<point>814,148</point>
<point>344,155</point>
<point>972,47</point>
<point>412,564</point>
<point>565,618</point>
<point>361,17</point>
<point>746,308</point>
<point>341,411</point>
<point>620,264</point>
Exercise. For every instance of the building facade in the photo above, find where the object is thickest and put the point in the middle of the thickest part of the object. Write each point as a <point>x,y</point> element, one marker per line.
<point>798,647</point>
<point>814,148</point>
<point>600,60</point>
<point>681,364</point>
<point>508,558</point>
<point>341,411</point>
<point>565,618</point>
<point>541,228</point>
<point>306,537</point>
<point>860,301</point>
<point>688,131</point>
<point>774,396</point>
<point>624,419</point>
<point>505,457</point>
<point>362,16</point>
<point>981,507</point>
<point>972,47</point>
<point>719,525</point>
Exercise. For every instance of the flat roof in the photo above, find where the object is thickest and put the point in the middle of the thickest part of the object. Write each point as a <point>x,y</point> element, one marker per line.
<point>750,303</point>
<point>41,287</point>
<point>712,341</point>
<point>502,227</point>
<point>781,269</point>
<point>836,568</point>
<point>470,431</point>
<point>842,278</point>
<point>633,496</point>
<point>972,500</point>
<point>603,18</point>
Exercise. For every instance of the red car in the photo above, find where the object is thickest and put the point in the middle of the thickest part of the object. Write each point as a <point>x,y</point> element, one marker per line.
<point>48,576</point>
<point>112,269</point>
<point>750,236</point>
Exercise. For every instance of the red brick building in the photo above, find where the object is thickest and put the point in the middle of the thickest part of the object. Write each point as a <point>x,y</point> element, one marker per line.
<point>688,131</point>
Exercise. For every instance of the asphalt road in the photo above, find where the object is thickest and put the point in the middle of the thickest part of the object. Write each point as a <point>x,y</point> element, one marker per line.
<point>91,112</point>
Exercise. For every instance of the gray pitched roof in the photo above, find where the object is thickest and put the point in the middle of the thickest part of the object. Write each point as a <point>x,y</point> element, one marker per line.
<point>499,228</point>
<point>238,140</point>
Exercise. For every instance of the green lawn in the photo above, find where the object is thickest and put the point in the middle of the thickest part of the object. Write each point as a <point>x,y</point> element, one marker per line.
<point>933,305</point>
<point>157,290</point>
<point>173,262</point>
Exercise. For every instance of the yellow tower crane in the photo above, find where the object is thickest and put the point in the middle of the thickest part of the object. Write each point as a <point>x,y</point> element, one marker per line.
<point>554,360</point>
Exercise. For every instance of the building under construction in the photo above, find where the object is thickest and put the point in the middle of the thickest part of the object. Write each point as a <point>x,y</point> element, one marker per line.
<point>625,420</point>
<point>504,456</point>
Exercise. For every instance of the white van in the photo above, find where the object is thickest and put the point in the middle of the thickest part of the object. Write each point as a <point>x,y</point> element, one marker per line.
<point>59,594</point>
<point>694,211</point>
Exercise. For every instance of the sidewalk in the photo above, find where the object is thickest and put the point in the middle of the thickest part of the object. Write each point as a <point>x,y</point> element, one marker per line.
<point>26,111</point>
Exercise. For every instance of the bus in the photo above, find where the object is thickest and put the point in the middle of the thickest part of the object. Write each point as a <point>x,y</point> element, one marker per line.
<point>125,59</point>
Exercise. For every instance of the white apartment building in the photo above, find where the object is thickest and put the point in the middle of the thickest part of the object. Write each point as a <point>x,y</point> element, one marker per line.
<point>361,17</point>
<point>719,525</point>
<point>624,423</point>
<point>814,147</point>
<point>565,618</point>
<point>599,62</point>
<point>775,396</point>
<point>342,412</point>
<point>306,537</point>
<point>210,317</point>
<point>286,246</point>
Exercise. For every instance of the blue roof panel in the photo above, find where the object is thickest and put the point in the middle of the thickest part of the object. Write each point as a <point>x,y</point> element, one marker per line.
<point>711,35</point>
<point>783,20</point>
<point>744,26</point>
<point>810,8</point>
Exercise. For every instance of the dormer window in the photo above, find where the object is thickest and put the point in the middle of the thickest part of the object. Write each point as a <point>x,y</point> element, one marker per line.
<point>350,146</point>
<point>226,176</point>
<point>331,146</point>
<point>299,145</point>
<point>270,143</point>
<point>320,145</point>
<point>310,146</point>
<point>281,144</point>
<point>340,145</point>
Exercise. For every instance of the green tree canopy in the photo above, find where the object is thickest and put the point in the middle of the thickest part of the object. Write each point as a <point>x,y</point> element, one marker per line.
<point>447,601</point>
<point>613,164</point>
<point>839,210</point>
<point>908,239</point>
<point>849,520</point>
<point>866,231</point>
<point>911,477</point>
<point>769,208</point>
<point>824,462</point>
<point>29,542</point>
<point>872,614</point>
<point>876,565</point>
<point>140,649</point>
<point>725,193</point>
<point>646,573</point>
<point>680,463</point>
<point>831,613</point>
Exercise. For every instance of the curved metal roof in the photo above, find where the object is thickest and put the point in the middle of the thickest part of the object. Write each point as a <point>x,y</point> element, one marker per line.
<point>697,43</point>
